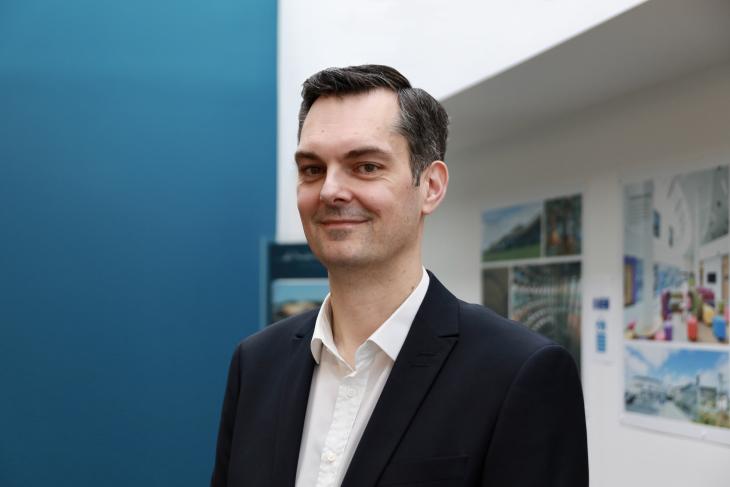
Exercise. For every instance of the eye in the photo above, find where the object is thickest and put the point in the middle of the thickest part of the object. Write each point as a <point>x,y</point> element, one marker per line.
<point>311,171</point>
<point>368,168</point>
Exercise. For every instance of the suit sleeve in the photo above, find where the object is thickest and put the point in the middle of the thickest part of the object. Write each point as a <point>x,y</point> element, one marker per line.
<point>540,436</point>
<point>227,423</point>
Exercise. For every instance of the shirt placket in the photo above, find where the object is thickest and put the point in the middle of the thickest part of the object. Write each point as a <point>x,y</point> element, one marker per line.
<point>350,394</point>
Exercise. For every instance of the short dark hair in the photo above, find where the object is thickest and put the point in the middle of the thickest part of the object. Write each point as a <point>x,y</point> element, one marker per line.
<point>423,120</point>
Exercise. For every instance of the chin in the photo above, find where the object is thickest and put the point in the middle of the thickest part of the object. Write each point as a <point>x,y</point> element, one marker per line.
<point>343,258</point>
<point>339,260</point>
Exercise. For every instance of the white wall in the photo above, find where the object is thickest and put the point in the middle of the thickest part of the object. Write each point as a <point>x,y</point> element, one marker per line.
<point>441,46</point>
<point>677,126</point>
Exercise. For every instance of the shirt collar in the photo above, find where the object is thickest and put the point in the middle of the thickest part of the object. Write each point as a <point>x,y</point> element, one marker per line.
<point>389,336</point>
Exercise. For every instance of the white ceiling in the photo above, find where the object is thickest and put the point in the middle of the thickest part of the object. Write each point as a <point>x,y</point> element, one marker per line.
<point>654,42</point>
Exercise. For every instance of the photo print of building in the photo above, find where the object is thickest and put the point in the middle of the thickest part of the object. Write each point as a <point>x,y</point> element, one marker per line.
<point>686,385</point>
<point>547,298</point>
<point>676,247</point>
<point>531,267</point>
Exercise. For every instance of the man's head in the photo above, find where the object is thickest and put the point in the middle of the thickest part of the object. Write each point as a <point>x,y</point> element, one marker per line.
<point>369,170</point>
<point>423,121</point>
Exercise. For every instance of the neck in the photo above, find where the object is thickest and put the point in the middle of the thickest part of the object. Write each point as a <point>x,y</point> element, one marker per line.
<point>363,298</point>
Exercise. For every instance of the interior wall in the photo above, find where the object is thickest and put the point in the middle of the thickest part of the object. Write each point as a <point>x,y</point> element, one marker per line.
<point>137,177</point>
<point>677,126</point>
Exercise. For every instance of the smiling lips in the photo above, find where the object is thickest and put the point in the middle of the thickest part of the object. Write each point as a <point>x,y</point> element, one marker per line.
<point>334,223</point>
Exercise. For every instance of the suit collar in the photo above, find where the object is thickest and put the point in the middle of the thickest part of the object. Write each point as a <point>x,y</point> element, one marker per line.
<point>440,309</point>
<point>389,336</point>
<point>429,342</point>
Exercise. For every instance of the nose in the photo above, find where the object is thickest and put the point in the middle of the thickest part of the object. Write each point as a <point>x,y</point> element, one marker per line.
<point>335,189</point>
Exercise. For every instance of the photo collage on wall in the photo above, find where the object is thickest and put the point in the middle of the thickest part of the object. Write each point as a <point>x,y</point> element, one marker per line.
<point>296,281</point>
<point>531,267</point>
<point>676,249</point>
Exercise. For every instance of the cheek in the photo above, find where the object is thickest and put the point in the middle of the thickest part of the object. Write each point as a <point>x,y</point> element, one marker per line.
<point>307,200</point>
<point>377,197</point>
<point>404,202</point>
<point>376,202</point>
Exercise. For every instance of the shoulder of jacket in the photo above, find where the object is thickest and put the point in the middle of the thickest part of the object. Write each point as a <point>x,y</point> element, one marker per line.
<point>282,331</point>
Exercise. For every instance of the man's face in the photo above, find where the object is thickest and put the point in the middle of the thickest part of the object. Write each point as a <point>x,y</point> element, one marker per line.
<point>356,195</point>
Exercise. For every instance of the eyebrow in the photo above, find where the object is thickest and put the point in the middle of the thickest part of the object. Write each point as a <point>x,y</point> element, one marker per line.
<point>306,155</point>
<point>367,151</point>
<point>352,154</point>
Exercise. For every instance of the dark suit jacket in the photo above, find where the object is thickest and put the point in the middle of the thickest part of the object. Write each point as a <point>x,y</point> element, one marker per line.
<point>472,400</point>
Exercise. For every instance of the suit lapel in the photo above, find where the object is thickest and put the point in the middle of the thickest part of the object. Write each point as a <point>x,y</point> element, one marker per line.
<point>293,406</point>
<point>428,344</point>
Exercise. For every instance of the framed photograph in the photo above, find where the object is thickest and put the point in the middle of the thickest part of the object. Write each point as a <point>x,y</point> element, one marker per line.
<point>677,389</point>
<point>294,281</point>
<point>512,232</point>
<point>676,258</point>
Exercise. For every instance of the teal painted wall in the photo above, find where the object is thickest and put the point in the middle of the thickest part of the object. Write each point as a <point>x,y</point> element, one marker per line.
<point>137,177</point>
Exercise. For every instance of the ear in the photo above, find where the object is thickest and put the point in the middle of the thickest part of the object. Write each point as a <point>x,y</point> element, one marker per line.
<point>434,180</point>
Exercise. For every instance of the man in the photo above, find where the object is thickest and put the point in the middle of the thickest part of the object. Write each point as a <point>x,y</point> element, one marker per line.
<point>393,381</point>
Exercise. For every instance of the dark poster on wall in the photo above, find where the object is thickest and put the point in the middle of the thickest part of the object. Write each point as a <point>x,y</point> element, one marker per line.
<point>295,282</point>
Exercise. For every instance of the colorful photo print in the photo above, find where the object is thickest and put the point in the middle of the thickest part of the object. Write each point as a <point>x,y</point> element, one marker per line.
<point>547,298</point>
<point>495,290</point>
<point>633,280</point>
<point>293,296</point>
<point>678,384</point>
<point>512,233</point>
<point>676,250</point>
<point>563,226</point>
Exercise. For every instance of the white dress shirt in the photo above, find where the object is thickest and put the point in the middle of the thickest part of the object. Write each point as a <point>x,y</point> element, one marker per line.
<point>342,398</point>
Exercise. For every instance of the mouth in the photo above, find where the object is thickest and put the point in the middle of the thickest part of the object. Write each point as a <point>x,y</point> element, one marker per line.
<point>340,223</point>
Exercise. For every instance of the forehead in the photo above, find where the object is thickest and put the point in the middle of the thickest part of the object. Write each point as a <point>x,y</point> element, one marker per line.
<point>362,118</point>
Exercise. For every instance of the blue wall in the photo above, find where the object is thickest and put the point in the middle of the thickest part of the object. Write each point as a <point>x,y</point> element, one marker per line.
<point>137,177</point>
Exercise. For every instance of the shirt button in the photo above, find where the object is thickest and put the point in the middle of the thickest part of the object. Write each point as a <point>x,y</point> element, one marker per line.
<point>350,392</point>
<point>330,456</point>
